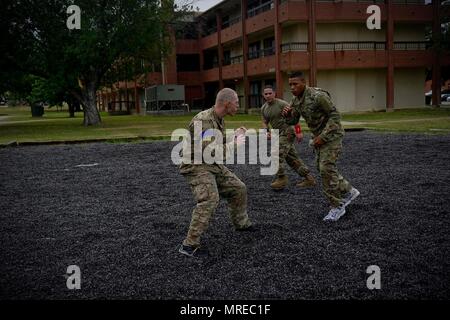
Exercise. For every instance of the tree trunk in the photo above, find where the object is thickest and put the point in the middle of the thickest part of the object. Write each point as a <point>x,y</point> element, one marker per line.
<point>91,114</point>
<point>71,109</point>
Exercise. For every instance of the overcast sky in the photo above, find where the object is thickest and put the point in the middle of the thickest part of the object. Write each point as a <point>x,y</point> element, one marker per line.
<point>205,4</point>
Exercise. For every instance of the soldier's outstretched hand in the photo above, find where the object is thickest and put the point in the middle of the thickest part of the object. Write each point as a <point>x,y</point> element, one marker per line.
<point>240,135</point>
<point>286,112</point>
<point>240,131</point>
<point>240,139</point>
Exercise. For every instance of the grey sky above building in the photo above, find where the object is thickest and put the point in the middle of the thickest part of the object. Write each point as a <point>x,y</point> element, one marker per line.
<point>205,4</point>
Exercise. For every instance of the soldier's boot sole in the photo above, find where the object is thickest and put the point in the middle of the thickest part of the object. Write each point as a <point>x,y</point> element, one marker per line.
<point>280,183</point>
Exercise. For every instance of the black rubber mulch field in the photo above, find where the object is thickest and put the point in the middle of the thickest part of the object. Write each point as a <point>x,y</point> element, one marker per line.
<point>121,220</point>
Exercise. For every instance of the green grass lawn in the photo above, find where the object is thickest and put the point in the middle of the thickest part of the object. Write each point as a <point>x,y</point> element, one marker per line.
<point>16,124</point>
<point>424,120</point>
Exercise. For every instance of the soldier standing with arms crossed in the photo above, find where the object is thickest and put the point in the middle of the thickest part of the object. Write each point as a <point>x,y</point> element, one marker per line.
<point>324,121</point>
<point>271,114</point>
<point>209,182</point>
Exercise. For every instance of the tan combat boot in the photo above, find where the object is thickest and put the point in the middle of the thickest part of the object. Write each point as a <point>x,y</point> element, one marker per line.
<point>280,182</point>
<point>309,182</point>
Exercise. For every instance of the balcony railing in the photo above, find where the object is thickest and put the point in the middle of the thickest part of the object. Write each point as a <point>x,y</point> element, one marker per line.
<point>409,45</point>
<point>344,46</point>
<point>230,22</point>
<point>209,66</point>
<point>333,46</point>
<point>348,46</point>
<point>260,9</point>
<point>294,46</point>
<point>233,60</point>
<point>210,31</point>
<point>261,53</point>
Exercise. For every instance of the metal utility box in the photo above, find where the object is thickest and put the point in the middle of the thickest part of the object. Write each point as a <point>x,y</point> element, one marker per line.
<point>165,98</point>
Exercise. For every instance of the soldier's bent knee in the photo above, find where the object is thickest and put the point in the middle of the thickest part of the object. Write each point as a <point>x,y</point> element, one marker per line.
<point>212,200</point>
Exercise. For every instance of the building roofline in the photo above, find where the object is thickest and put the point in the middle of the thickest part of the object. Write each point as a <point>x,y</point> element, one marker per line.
<point>213,7</point>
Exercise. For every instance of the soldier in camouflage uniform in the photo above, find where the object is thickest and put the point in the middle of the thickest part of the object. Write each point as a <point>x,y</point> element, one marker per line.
<point>209,182</point>
<point>324,121</point>
<point>271,114</point>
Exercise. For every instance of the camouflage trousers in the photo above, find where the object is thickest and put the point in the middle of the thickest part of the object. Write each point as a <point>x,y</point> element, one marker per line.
<point>208,186</point>
<point>288,155</point>
<point>334,185</point>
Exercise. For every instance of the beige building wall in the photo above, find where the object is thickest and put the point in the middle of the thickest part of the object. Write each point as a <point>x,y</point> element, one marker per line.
<point>260,36</point>
<point>370,89</point>
<point>408,88</point>
<point>295,33</point>
<point>341,84</point>
<point>235,50</point>
<point>337,32</point>
<point>358,90</point>
<point>355,90</point>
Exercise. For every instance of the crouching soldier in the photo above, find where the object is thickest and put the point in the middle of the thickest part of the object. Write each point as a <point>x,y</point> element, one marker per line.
<point>209,182</point>
<point>324,121</point>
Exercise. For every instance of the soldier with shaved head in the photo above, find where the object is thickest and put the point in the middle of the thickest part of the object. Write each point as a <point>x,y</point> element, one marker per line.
<point>211,181</point>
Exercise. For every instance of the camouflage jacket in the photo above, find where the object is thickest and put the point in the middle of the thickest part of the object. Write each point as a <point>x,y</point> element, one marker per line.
<point>319,112</point>
<point>209,120</point>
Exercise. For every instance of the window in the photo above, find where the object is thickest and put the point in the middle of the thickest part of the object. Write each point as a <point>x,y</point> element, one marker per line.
<point>211,59</point>
<point>254,50</point>
<point>256,99</point>
<point>269,46</point>
<point>226,57</point>
<point>188,62</point>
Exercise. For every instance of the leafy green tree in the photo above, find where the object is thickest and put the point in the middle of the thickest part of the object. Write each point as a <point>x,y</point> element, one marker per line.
<point>37,41</point>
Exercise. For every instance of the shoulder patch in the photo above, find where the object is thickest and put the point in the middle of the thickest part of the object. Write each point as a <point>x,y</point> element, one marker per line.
<point>207,135</point>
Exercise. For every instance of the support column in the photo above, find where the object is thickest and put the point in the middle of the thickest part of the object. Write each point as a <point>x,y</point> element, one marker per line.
<point>113,97</point>
<point>390,57</point>
<point>202,60</point>
<point>278,39</point>
<point>107,97</point>
<point>312,43</point>
<point>126,93</point>
<point>219,46</point>
<point>136,97</point>
<point>103,97</point>
<point>170,75</point>
<point>436,76</point>
<point>245,54</point>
